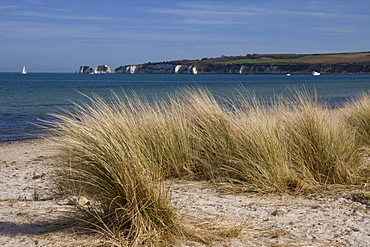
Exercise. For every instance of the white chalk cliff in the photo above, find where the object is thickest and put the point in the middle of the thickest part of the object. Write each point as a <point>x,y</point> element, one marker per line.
<point>102,69</point>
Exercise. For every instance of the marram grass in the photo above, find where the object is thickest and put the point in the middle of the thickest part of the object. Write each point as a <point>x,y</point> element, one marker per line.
<point>122,149</point>
<point>357,115</point>
<point>110,166</point>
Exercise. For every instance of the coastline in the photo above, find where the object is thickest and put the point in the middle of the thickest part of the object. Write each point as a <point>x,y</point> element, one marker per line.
<point>26,105</point>
<point>32,213</point>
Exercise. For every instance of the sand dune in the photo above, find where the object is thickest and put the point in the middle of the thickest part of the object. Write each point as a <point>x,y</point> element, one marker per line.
<point>32,213</point>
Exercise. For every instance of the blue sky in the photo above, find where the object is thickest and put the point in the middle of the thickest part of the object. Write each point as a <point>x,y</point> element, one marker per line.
<point>59,36</point>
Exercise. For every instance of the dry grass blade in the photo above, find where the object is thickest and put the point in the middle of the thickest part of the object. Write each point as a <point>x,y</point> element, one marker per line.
<point>122,149</point>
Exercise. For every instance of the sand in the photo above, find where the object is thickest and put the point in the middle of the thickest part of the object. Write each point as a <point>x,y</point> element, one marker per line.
<point>32,212</point>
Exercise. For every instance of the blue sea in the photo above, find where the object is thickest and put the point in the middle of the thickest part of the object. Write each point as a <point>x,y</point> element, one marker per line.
<point>26,100</point>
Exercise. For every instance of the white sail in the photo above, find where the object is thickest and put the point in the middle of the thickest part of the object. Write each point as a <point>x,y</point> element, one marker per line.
<point>24,71</point>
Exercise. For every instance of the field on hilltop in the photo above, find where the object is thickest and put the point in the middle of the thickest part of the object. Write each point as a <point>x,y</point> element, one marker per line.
<point>328,63</point>
<point>353,57</point>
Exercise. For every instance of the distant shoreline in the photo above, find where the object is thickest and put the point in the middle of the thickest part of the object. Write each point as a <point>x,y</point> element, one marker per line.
<point>35,73</point>
<point>329,63</point>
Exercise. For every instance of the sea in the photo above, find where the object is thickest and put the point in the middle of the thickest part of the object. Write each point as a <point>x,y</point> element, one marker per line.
<point>27,100</point>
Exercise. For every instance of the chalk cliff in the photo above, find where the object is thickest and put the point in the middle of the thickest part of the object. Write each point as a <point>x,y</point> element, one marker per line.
<point>157,68</point>
<point>298,68</point>
<point>329,63</point>
<point>102,69</point>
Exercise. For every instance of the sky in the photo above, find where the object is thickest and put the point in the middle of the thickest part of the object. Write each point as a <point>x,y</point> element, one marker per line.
<point>60,36</point>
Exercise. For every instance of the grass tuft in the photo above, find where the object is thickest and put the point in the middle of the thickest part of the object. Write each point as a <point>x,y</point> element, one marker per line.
<point>109,165</point>
<point>357,115</point>
<point>121,150</point>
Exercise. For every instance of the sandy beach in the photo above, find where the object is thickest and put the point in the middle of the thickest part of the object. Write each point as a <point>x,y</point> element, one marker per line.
<point>32,212</point>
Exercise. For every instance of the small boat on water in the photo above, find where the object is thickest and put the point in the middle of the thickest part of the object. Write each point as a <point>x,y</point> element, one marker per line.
<point>288,74</point>
<point>315,73</point>
<point>24,71</point>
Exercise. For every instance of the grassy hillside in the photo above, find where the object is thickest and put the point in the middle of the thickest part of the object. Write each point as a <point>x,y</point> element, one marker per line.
<point>269,60</point>
<point>331,58</point>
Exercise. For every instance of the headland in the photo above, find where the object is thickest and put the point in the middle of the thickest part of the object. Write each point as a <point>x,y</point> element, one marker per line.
<point>328,63</point>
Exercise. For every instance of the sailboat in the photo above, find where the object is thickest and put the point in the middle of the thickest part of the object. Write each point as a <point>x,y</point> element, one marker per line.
<point>24,71</point>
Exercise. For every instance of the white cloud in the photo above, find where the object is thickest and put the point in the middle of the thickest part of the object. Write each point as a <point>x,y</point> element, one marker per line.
<point>208,15</point>
<point>216,13</point>
<point>35,30</point>
<point>26,31</point>
<point>210,22</point>
<point>7,7</point>
<point>336,30</point>
<point>52,16</point>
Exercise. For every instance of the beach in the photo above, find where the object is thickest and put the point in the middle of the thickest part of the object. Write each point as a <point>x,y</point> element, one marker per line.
<point>34,213</point>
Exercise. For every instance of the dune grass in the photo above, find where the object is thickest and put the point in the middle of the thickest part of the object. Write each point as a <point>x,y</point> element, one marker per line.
<point>122,149</point>
<point>357,115</point>
<point>107,148</point>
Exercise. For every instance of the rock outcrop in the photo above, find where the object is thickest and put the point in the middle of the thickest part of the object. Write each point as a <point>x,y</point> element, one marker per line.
<point>148,68</point>
<point>102,69</point>
<point>157,68</point>
<point>85,70</point>
<point>181,68</point>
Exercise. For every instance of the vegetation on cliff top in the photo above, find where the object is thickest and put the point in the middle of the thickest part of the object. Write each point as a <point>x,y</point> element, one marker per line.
<point>271,60</point>
<point>343,58</point>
